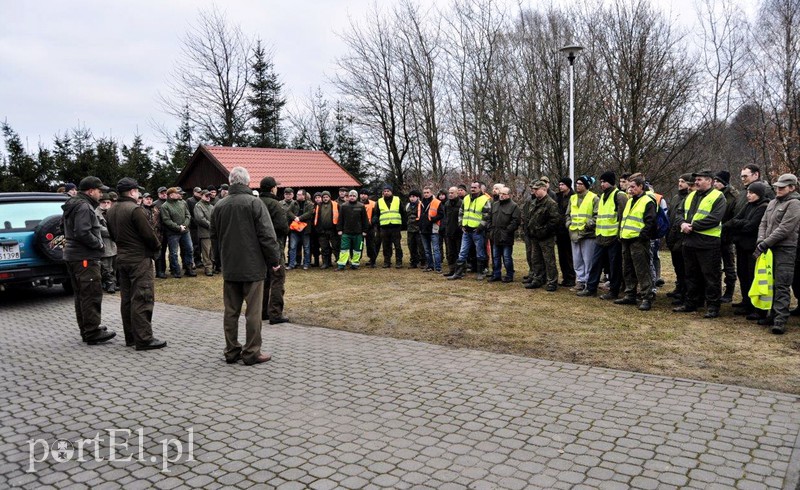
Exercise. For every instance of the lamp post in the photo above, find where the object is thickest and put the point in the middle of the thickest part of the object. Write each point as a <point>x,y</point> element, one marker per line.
<point>571,50</point>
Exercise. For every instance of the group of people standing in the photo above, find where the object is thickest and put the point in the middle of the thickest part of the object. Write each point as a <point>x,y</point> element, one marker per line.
<point>609,240</point>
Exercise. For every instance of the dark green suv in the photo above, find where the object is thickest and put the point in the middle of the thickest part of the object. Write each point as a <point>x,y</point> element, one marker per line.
<point>31,240</point>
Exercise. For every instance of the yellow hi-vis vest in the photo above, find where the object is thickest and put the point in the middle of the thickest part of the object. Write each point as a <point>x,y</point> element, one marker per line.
<point>633,219</point>
<point>390,215</point>
<point>580,215</point>
<point>607,223</point>
<point>473,210</point>
<point>703,210</point>
<point>761,290</point>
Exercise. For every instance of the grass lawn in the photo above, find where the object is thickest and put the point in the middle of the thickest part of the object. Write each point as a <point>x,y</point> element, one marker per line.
<point>498,317</point>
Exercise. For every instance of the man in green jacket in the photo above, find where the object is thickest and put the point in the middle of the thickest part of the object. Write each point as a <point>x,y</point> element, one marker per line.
<point>543,221</point>
<point>247,247</point>
<point>176,218</point>
<point>202,217</point>
<point>137,244</point>
<point>274,288</point>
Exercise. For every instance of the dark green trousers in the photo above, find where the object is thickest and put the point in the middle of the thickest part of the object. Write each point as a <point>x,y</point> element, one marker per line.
<point>86,281</point>
<point>543,260</point>
<point>274,289</point>
<point>636,268</point>
<point>137,299</point>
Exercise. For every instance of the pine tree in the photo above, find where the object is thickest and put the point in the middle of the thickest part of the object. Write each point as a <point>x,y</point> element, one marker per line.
<point>265,102</point>
<point>181,147</point>
<point>21,171</point>
<point>137,161</point>
<point>105,161</point>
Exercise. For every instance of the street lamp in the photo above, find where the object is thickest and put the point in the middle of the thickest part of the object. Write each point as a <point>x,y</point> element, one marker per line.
<point>571,50</point>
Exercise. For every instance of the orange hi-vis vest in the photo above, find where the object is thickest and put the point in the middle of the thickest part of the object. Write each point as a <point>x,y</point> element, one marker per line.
<point>370,205</point>
<point>335,213</point>
<point>433,210</point>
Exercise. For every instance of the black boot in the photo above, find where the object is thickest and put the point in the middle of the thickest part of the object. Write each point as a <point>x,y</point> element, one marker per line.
<point>481,270</point>
<point>459,273</point>
<point>727,297</point>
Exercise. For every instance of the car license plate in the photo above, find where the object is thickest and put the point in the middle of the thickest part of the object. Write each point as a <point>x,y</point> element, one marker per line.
<point>9,252</point>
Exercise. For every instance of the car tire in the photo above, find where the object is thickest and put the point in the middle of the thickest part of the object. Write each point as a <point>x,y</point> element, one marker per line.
<point>49,238</point>
<point>67,285</point>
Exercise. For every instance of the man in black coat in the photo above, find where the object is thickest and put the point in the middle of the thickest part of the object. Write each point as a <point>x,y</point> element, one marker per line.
<point>563,242</point>
<point>452,229</point>
<point>506,218</point>
<point>82,253</point>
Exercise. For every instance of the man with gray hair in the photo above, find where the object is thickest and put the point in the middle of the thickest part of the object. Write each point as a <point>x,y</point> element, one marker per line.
<point>247,245</point>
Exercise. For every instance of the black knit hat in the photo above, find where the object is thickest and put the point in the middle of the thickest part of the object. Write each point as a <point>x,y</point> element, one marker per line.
<point>724,177</point>
<point>415,193</point>
<point>609,177</point>
<point>587,181</point>
<point>758,188</point>
<point>566,181</point>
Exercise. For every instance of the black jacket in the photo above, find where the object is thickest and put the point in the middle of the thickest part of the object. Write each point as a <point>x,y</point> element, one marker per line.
<point>82,229</point>
<point>506,217</point>
<point>743,228</point>
<point>352,219</point>
<point>451,209</point>
<point>246,240</point>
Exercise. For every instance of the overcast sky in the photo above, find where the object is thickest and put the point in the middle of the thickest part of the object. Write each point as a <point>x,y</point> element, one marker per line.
<point>102,63</point>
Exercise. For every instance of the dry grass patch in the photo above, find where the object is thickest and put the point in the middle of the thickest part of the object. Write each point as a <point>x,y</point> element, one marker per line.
<point>507,318</point>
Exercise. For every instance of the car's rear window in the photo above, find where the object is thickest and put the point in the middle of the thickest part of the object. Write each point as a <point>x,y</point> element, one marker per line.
<point>19,216</point>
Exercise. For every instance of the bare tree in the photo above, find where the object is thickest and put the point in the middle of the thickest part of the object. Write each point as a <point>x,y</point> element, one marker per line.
<point>212,79</point>
<point>724,54</point>
<point>540,108</point>
<point>775,86</point>
<point>313,123</point>
<point>474,35</point>
<point>374,79</point>
<point>421,52</point>
<point>648,79</point>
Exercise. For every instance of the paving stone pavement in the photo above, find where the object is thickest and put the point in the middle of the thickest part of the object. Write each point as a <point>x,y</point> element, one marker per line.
<point>341,410</point>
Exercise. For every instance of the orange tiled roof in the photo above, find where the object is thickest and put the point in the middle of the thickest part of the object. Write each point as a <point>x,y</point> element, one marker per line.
<point>291,168</point>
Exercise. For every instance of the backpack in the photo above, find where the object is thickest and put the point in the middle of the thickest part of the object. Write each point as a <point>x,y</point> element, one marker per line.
<point>662,223</point>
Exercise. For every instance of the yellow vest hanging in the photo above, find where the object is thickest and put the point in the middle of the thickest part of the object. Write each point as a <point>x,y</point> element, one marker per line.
<point>580,215</point>
<point>390,215</point>
<point>473,211</point>
<point>703,210</point>
<point>761,290</point>
<point>607,223</point>
<point>633,219</point>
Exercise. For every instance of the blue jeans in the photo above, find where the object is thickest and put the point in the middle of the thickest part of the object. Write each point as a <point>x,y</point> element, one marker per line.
<point>433,254</point>
<point>296,240</point>
<point>502,253</point>
<point>184,241</point>
<point>470,239</point>
<point>613,253</point>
